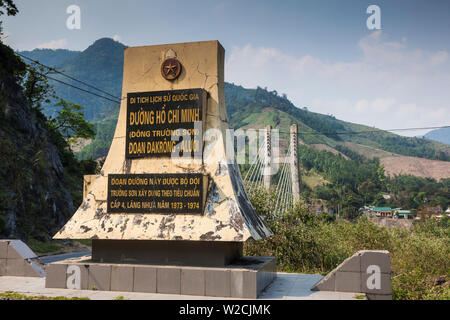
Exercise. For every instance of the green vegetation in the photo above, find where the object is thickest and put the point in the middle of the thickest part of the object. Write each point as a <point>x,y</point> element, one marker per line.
<point>51,57</point>
<point>86,242</point>
<point>44,247</point>
<point>415,147</point>
<point>104,134</point>
<point>360,181</point>
<point>309,243</point>
<point>70,122</point>
<point>10,295</point>
<point>410,192</point>
<point>41,178</point>
<point>47,247</point>
<point>243,103</point>
<point>312,180</point>
<point>100,65</point>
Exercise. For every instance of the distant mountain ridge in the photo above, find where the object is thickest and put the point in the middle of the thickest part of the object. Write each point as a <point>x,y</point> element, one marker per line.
<point>101,64</point>
<point>440,135</point>
<point>50,57</point>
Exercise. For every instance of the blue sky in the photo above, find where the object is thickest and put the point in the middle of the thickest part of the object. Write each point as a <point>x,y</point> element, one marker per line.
<point>320,53</point>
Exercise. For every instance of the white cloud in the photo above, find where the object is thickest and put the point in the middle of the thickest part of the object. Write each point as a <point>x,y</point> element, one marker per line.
<point>55,44</point>
<point>389,86</point>
<point>438,58</point>
<point>406,111</point>
<point>382,105</point>
<point>361,105</point>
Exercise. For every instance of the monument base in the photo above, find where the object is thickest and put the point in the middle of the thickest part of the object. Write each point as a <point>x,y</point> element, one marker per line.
<point>163,252</point>
<point>245,278</point>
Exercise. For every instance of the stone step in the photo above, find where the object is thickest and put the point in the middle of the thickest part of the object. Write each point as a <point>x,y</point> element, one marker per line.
<point>17,259</point>
<point>367,271</point>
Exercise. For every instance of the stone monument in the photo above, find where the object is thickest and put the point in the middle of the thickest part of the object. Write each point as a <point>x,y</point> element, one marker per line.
<point>168,212</point>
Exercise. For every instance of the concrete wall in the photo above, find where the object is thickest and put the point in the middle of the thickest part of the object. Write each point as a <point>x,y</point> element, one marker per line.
<point>245,280</point>
<point>367,271</point>
<point>17,259</point>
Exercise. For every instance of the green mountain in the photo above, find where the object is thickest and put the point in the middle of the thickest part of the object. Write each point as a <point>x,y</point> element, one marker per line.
<point>49,57</point>
<point>440,135</point>
<point>259,107</point>
<point>101,64</point>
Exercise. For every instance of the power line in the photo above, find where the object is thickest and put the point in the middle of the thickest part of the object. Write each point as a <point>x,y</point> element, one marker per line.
<point>365,132</point>
<point>67,76</point>
<point>75,87</point>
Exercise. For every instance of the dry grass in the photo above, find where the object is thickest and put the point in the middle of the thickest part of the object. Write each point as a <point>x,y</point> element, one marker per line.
<point>312,179</point>
<point>418,167</point>
<point>368,152</point>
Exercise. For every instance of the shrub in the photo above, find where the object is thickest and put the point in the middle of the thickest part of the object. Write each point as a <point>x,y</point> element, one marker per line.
<point>309,243</point>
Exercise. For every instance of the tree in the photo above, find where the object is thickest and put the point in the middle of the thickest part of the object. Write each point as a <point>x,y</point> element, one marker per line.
<point>350,213</point>
<point>367,189</point>
<point>37,90</point>
<point>381,174</point>
<point>70,122</point>
<point>351,203</point>
<point>11,10</point>
<point>300,213</point>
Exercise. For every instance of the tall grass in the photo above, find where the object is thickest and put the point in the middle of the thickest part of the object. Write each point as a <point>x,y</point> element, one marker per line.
<point>309,243</point>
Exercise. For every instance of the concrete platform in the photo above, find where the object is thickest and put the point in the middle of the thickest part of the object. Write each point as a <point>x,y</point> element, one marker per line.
<point>287,286</point>
<point>246,277</point>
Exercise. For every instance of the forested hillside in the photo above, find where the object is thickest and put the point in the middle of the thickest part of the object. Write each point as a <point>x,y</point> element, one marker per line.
<point>53,58</point>
<point>100,65</point>
<point>243,105</point>
<point>41,181</point>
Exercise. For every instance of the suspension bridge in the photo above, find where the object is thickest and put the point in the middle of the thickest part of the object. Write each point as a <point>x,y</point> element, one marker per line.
<point>279,175</point>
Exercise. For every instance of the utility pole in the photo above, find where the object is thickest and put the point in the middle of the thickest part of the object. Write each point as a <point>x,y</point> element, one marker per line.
<point>268,158</point>
<point>294,164</point>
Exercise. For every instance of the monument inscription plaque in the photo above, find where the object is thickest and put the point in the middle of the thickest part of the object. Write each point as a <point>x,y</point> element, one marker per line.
<point>153,117</point>
<point>155,193</point>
